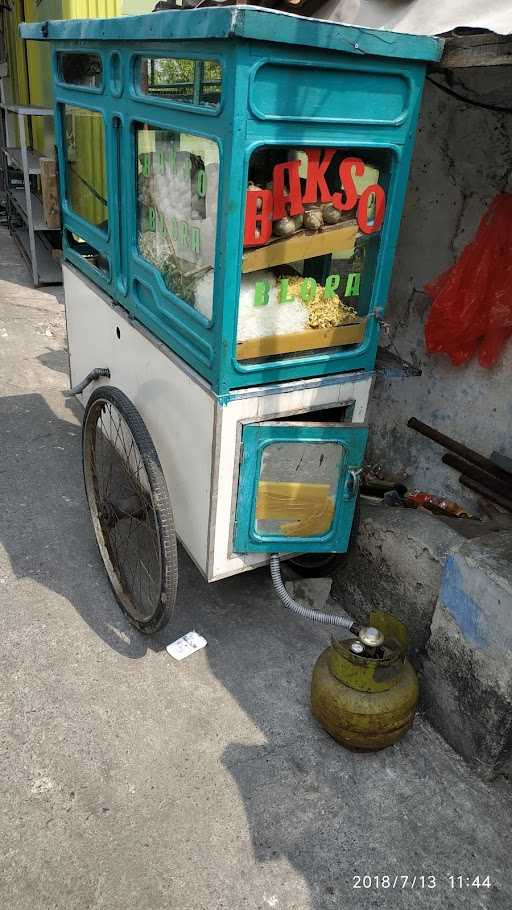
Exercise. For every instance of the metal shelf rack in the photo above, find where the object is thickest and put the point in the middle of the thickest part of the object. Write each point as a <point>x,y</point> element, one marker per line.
<point>21,202</point>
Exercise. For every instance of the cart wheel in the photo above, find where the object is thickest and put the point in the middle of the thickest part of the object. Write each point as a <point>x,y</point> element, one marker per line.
<point>130,509</point>
<point>315,565</point>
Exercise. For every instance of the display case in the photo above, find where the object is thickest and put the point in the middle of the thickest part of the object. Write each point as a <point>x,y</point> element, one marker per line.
<point>235,178</point>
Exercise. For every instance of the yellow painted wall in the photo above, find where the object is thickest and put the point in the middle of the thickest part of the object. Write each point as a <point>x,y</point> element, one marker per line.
<point>16,87</point>
<point>31,81</point>
<point>87,166</point>
<point>38,52</point>
<point>134,7</point>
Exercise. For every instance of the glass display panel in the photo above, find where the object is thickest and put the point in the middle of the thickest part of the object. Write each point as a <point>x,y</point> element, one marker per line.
<point>312,228</point>
<point>185,81</point>
<point>88,252</point>
<point>296,493</point>
<point>177,190</point>
<point>80,69</point>
<point>86,166</point>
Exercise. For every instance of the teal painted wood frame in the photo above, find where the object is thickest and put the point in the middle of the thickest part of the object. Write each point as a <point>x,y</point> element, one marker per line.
<point>255,439</point>
<point>245,41</point>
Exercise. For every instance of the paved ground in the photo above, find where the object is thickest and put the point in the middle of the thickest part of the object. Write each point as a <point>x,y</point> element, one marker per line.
<point>130,782</point>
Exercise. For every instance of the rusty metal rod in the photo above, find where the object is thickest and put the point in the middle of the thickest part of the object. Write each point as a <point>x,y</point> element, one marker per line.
<point>484,491</point>
<point>471,470</point>
<point>473,457</point>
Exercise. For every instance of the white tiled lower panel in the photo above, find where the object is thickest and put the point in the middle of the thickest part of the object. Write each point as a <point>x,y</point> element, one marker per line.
<point>177,410</point>
<point>197,439</point>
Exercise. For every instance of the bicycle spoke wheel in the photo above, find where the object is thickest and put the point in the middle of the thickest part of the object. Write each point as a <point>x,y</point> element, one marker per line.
<point>130,509</point>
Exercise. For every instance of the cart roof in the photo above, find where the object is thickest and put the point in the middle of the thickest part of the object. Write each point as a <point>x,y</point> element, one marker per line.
<point>238,22</point>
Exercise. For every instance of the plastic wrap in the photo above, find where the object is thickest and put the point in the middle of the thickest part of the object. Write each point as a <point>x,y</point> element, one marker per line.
<point>472,302</point>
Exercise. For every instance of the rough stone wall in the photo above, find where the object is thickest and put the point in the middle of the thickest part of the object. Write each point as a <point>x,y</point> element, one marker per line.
<point>463,158</point>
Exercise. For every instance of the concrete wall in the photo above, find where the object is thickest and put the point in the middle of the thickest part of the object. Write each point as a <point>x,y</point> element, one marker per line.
<point>466,682</point>
<point>462,160</point>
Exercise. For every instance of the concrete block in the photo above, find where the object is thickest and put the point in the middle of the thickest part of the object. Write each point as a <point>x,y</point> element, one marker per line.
<point>467,672</point>
<point>396,565</point>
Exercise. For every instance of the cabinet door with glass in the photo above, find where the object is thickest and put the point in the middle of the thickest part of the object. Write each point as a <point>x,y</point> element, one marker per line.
<point>298,486</point>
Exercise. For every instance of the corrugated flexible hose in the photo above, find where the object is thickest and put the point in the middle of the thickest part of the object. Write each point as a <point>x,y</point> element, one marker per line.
<point>305,612</point>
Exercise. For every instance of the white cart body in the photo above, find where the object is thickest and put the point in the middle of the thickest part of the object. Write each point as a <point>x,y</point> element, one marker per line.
<point>198,440</point>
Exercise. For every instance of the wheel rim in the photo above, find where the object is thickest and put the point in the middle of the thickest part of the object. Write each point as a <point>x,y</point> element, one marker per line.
<point>123,511</point>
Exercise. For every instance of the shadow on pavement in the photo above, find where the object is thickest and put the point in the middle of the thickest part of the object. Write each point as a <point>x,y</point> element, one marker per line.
<point>55,360</point>
<point>44,520</point>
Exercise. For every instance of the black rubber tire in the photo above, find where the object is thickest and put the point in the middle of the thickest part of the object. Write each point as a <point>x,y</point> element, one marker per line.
<point>316,565</point>
<point>160,502</point>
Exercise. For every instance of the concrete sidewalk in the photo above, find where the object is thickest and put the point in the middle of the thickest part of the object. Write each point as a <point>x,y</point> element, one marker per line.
<point>131,782</point>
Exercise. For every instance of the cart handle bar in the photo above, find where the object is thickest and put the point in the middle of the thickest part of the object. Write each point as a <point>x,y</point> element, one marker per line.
<point>97,373</point>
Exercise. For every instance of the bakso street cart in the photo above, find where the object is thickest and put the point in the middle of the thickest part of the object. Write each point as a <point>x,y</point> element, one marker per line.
<point>231,182</point>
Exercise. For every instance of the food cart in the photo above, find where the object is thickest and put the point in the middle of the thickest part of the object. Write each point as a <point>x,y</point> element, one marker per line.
<point>231,182</point>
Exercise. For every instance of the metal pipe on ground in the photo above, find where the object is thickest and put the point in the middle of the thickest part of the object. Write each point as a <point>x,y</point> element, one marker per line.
<point>483,477</point>
<point>485,491</point>
<point>448,443</point>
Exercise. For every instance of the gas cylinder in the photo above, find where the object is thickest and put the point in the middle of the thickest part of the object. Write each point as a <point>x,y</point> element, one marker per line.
<point>364,691</point>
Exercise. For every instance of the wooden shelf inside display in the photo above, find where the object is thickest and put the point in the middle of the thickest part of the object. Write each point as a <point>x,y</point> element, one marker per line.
<point>337,238</point>
<point>307,340</point>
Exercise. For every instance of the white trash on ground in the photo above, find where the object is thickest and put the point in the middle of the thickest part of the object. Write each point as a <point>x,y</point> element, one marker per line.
<point>186,645</point>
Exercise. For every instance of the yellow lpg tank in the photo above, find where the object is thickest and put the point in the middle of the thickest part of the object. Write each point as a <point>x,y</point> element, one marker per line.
<point>364,691</point>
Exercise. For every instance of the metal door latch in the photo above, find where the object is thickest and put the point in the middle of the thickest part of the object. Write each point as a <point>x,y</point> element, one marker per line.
<point>354,481</point>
